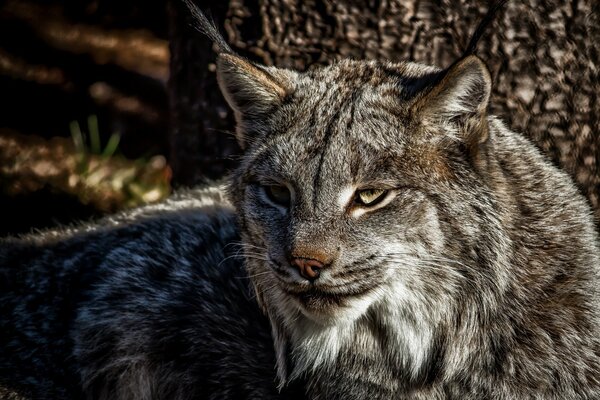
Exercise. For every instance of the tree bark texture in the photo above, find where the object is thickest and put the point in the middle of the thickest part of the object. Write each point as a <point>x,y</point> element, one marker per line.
<point>543,56</point>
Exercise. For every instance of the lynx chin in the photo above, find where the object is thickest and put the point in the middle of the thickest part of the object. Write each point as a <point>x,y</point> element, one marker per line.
<point>398,242</point>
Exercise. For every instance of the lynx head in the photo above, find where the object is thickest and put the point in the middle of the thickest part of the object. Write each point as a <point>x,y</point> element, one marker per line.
<point>361,186</point>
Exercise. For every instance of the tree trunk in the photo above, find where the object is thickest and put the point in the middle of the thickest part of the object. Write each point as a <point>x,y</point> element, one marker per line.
<point>201,146</point>
<point>543,56</point>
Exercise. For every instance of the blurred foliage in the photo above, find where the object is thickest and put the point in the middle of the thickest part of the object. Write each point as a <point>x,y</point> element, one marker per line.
<point>97,175</point>
<point>62,60</point>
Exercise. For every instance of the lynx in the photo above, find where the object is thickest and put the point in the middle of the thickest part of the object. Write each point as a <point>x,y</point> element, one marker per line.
<point>397,242</point>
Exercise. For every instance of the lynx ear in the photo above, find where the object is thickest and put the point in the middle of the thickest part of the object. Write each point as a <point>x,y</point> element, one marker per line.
<point>252,91</point>
<point>461,94</point>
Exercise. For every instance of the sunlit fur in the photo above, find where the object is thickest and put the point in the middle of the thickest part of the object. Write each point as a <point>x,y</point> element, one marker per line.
<point>477,277</point>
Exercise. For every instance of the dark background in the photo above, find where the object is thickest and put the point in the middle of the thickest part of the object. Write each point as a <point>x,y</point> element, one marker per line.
<point>138,68</point>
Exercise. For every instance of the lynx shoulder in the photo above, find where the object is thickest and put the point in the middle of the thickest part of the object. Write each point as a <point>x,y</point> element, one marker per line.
<point>149,304</point>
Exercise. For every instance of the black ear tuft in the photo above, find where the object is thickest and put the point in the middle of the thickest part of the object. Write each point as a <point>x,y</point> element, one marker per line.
<point>483,25</point>
<point>208,28</point>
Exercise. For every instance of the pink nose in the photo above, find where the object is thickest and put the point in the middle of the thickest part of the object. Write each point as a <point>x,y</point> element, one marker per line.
<point>309,268</point>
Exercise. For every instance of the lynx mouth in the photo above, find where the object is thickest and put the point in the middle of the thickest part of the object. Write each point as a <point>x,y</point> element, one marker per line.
<point>316,299</point>
<point>319,300</point>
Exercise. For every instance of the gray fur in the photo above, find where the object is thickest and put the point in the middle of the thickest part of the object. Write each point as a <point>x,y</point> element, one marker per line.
<point>477,278</point>
<point>149,304</point>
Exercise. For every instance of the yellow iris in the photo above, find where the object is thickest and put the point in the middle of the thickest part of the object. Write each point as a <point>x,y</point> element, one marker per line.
<point>369,197</point>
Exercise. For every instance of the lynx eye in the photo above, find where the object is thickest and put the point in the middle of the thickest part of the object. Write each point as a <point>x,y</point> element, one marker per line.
<point>370,197</point>
<point>278,194</point>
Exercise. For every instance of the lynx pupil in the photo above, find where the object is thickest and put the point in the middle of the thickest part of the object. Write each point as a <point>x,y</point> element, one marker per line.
<point>278,194</point>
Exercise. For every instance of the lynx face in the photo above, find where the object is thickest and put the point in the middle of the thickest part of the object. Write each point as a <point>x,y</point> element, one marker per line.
<point>348,188</point>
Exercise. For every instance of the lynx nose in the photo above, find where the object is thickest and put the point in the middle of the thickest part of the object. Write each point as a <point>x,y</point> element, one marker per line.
<point>309,268</point>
